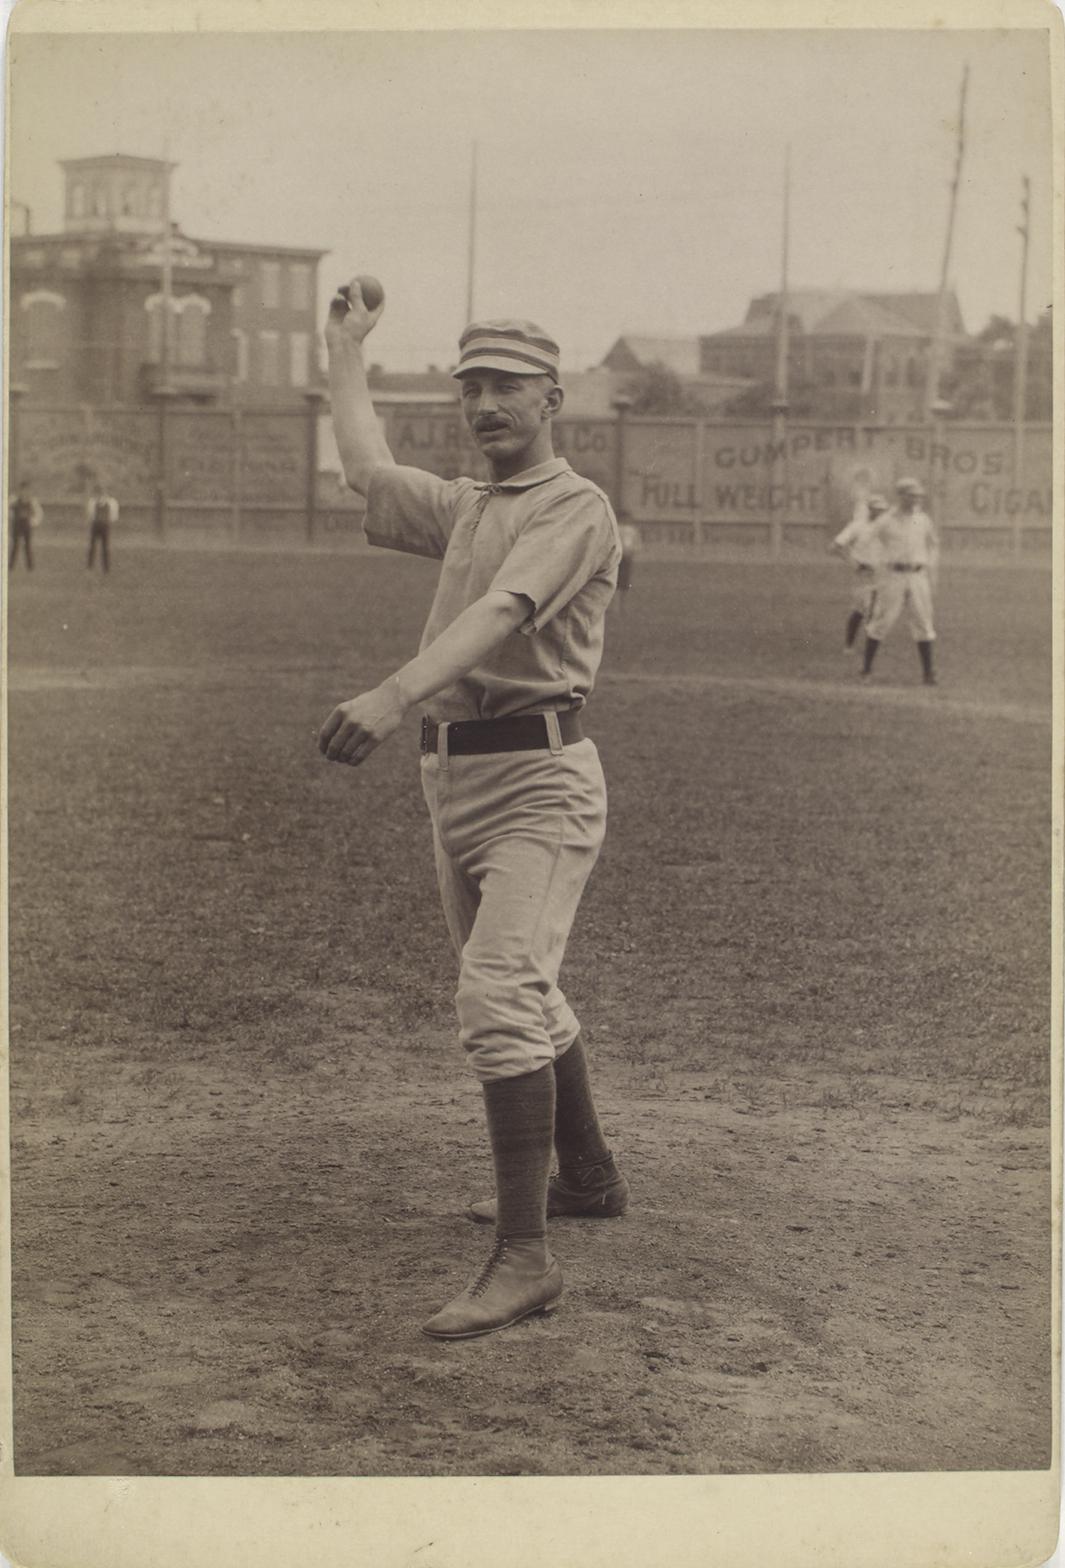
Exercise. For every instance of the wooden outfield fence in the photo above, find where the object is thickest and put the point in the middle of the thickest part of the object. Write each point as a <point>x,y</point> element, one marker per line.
<point>239,475</point>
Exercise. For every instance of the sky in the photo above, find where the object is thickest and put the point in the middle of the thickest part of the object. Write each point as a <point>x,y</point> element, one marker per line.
<point>628,181</point>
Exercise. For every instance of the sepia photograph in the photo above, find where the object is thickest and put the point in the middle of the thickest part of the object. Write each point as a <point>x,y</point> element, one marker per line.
<point>531,828</point>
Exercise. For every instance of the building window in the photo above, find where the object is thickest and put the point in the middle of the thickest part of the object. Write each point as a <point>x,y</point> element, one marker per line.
<point>238,296</point>
<point>44,322</point>
<point>154,306</point>
<point>77,201</point>
<point>270,281</point>
<point>299,286</point>
<point>240,355</point>
<point>192,330</point>
<point>299,345</point>
<point>269,366</point>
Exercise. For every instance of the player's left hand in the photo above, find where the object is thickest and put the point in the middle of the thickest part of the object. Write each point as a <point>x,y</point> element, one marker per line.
<point>356,728</point>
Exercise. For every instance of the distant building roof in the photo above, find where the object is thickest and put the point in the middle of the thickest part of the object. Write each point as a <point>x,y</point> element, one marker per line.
<point>116,158</point>
<point>921,310</point>
<point>861,317</point>
<point>849,313</point>
<point>245,246</point>
<point>633,352</point>
<point>591,394</point>
<point>154,239</point>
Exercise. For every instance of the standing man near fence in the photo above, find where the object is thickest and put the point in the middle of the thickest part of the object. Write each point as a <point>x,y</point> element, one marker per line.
<point>514,790</point>
<point>101,513</point>
<point>23,516</point>
<point>909,550</point>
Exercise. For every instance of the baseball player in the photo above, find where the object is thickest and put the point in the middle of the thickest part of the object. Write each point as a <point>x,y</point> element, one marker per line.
<point>23,516</point>
<point>909,549</point>
<point>514,789</point>
<point>858,545</point>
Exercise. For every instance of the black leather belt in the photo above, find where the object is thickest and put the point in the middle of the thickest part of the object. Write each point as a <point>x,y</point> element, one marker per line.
<point>521,732</point>
<point>900,566</point>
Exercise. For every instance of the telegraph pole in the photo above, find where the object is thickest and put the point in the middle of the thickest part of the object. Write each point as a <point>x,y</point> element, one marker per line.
<point>471,254</point>
<point>1020,347</point>
<point>779,468</point>
<point>935,353</point>
<point>167,282</point>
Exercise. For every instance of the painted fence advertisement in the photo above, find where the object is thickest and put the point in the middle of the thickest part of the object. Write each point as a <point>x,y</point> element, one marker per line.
<point>706,477</point>
<point>690,481</point>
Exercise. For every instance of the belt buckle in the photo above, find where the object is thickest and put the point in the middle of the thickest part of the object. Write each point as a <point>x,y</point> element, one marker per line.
<point>554,732</point>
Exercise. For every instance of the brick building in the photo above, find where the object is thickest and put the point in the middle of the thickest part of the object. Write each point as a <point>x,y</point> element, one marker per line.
<point>86,312</point>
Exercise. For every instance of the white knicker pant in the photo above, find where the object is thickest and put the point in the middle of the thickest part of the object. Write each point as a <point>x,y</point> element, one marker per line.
<point>864,588</point>
<point>516,835</point>
<point>895,589</point>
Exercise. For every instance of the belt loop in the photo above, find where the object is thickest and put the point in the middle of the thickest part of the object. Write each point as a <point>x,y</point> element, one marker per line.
<point>441,745</point>
<point>554,733</point>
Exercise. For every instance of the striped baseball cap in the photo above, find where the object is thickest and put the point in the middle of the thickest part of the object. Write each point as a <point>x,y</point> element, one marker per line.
<point>520,347</point>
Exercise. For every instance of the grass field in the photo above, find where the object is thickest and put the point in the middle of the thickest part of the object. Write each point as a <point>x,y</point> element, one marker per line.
<point>812,965</point>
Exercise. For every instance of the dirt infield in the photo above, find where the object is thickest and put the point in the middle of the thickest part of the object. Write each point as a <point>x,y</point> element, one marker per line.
<point>813,968</point>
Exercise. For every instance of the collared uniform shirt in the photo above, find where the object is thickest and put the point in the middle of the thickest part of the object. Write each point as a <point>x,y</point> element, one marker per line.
<point>547,535</point>
<point>859,540</point>
<point>907,539</point>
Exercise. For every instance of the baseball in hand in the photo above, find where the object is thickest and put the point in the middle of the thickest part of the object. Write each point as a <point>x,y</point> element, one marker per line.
<point>372,292</point>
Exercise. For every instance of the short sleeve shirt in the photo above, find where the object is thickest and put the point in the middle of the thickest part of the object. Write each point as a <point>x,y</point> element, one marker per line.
<point>547,535</point>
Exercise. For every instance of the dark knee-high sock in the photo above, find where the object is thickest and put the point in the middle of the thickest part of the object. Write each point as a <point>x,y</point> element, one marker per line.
<point>871,645</point>
<point>521,1117</point>
<point>924,650</point>
<point>578,1136</point>
<point>854,620</point>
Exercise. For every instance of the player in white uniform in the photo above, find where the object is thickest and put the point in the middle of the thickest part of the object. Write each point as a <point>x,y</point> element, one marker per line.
<point>857,544</point>
<point>909,548</point>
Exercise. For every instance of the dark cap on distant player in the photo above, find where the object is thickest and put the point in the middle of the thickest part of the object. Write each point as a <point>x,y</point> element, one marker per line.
<point>520,347</point>
<point>909,487</point>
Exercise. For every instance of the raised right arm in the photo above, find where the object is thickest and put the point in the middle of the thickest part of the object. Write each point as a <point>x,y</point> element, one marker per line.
<point>361,445</point>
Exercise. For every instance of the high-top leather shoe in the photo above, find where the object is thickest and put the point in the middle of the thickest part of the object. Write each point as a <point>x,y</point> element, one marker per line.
<point>587,1192</point>
<point>519,1278</point>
